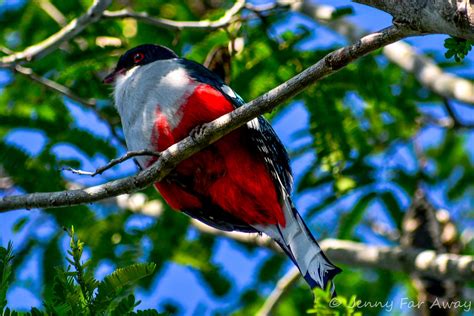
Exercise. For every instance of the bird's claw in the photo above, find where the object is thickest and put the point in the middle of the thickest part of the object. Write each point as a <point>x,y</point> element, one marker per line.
<point>198,131</point>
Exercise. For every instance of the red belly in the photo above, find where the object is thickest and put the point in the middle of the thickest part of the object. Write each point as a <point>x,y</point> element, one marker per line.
<point>230,173</point>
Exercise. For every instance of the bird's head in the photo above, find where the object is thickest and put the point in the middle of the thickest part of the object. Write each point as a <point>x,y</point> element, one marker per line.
<point>139,56</point>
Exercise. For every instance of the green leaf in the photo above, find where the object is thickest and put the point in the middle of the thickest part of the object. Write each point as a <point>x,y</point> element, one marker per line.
<point>342,11</point>
<point>449,54</point>
<point>270,268</point>
<point>124,277</point>
<point>325,304</point>
<point>457,47</point>
<point>125,306</point>
<point>344,184</point>
<point>20,223</point>
<point>217,281</point>
<point>392,207</point>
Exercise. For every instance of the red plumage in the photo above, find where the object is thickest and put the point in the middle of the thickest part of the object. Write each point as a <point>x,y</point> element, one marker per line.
<point>230,173</point>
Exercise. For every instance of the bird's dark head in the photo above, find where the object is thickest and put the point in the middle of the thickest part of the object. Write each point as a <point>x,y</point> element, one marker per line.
<point>139,56</point>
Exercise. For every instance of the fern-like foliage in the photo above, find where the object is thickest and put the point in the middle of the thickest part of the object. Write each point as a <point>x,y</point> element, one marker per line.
<point>6,257</point>
<point>326,305</point>
<point>116,284</point>
<point>75,291</point>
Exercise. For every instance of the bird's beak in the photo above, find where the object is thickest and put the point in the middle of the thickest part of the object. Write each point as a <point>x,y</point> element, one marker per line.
<point>110,78</point>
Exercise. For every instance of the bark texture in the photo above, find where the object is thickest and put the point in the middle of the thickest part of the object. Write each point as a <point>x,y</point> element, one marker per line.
<point>453,17</point>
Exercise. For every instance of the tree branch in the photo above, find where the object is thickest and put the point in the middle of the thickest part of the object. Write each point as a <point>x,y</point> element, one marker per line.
<point>427,72</point>
<point>178,25</point>
<point>422,262</point>
<point>213,131</point>
<point>54,41</point>
<point>282,287</point>
<point>456,123</point>
<point>455,18</point>
<point>56,87</point>
<point>441,266</point>
<point>53,12</point>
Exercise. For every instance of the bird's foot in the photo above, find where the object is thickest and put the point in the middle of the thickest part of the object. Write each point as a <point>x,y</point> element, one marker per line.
<point>198,131</point>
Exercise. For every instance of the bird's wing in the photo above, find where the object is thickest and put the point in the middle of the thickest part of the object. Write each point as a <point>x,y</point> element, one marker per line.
<point>260,131</point>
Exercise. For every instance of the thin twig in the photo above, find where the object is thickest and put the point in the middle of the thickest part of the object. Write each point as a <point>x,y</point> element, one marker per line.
<point>264,7</point>
<point>56,87</point>
<point>6,51</point>
<point>428,119</point>
<point>179,25</point>
<point>114,162</point>
<point>456,123</point>
<point>54,41</point>
<point>53,12</point>
<point>282,287</point>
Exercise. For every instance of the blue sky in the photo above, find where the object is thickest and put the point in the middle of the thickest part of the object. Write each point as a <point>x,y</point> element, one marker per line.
<point>236,263</point>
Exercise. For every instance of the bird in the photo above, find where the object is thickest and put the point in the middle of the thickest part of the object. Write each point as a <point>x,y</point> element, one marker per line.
<point>242,182</point>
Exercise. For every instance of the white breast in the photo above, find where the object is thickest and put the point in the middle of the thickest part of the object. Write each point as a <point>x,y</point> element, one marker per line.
<point>162,85</point>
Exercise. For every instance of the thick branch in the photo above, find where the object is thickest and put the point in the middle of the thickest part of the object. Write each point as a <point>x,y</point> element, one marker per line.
<point>54,41</point>
<point>429,74</point>
<point>440,266</point>
<point>214,130</point>
<point>455,18</point>
<point>178,25</point>
<point>400,53</point>
<point>424,262</point>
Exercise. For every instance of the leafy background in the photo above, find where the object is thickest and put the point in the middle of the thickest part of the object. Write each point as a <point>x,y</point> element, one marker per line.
<point>362,141</point>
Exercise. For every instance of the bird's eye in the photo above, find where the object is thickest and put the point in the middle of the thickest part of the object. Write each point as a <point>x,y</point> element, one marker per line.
<point>138,57</point>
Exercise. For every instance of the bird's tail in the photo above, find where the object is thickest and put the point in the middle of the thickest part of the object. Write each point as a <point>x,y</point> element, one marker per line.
<point>302,248</point>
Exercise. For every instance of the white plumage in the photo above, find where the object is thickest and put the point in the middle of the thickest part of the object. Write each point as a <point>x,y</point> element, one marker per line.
<point>159,86</point>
